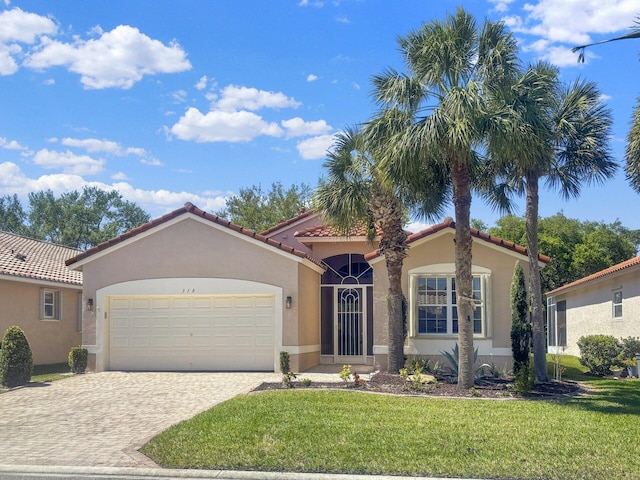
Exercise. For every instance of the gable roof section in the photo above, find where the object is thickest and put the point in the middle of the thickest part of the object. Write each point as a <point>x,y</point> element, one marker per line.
<point>189,208</point>
<point>475,233</point>
<point>29,259</point>
<point>329,232</point>
<point>598,275</point>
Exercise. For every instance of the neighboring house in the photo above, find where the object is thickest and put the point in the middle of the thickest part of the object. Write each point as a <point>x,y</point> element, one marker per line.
<point>192,291</point>
<point>40,295</point>
<point>606,302</point>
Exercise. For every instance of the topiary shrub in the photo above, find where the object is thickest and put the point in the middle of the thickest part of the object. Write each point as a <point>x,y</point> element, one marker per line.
<point>78,358</point>
<point>599,353</point>
<point>16,359</point>
<point>284,362</point>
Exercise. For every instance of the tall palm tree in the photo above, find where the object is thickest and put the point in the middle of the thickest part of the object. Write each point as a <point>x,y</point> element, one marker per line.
<point>550,132</point>
<point>632,154</point>
<point>452,64</point>
<point>354,193</point>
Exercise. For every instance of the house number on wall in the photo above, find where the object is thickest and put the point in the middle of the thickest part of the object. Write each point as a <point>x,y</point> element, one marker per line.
<point>188,290</point>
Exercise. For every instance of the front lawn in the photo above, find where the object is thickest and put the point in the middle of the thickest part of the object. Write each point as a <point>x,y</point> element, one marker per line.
<point>593,437</point>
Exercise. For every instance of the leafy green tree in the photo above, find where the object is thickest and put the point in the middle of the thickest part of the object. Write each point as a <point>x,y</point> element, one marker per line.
<point>453,66</point>
<point>12,216</point>
<point>81,220</point>
<point>632,154</point>
<point>355,193</point>
<point>258,210</point>
<point>600,249</point>
<point>552,132</point>
<point>520,324</point>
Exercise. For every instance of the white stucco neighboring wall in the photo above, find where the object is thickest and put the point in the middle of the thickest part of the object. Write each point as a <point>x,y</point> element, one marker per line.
<point>590,308</point>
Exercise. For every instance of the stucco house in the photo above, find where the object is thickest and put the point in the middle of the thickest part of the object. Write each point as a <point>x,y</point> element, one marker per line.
<point>40,295</point>
<point>192,291</point>
<point>606,302</point>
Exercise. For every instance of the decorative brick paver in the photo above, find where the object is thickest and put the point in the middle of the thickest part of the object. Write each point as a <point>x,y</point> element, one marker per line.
<point>101,419</point>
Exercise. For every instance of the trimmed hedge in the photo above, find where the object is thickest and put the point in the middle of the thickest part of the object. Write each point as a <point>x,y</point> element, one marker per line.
<point>16,359</point>
<point>78,358</point>
<point>599,353</point>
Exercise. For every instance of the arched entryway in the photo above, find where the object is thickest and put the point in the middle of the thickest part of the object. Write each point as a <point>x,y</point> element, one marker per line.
<point>347,310</point>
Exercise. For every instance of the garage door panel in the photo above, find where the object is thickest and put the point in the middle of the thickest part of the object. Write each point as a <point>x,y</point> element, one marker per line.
<point>222,332</point>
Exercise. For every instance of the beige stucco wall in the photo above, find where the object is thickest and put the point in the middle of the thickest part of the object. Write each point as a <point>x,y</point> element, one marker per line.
<point>193,248</point>
<point>50,340</point>
<point>439,249</point>
<point>590,309</point>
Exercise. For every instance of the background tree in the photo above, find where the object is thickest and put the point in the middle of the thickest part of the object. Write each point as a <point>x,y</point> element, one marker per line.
<point>79,220</point>
<point>12,216</point>
<point>520,324</point>
<point>453,65</point>
<point>258,210</point>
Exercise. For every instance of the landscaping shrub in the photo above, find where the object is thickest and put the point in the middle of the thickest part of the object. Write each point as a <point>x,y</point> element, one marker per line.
<point>599,353</point>
<point>78,357</point>
<point>284,362</point>
<point>520,323</point>
<point>16,359</point>
<point>630,346</point>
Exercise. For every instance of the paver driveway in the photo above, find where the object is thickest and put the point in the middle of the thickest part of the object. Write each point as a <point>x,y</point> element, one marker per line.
<point>102,419</point>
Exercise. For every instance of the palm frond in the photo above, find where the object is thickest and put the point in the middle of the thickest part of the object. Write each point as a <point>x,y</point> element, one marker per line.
<point>632,154</point>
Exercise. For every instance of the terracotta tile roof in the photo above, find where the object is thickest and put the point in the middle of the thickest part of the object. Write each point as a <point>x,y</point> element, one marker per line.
<point>327,231</point>
<point>189,208</point>
<point>602,273</point>
<point>33,259</point>
<point>304,214</point>
<point>450,223</point>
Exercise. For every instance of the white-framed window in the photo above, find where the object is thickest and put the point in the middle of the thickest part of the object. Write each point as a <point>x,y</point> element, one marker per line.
<point>433,297</point>
<point>617,303</point>
<point>50,304</point>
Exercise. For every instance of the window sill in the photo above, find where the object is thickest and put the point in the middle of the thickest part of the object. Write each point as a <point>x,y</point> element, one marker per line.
<point>447,336</point>
<point>49,319</point>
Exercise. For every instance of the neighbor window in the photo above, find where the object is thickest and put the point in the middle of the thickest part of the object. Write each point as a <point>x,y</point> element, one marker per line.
<point>50,307</point>
<point>436,307</point>
<point>617,304</point>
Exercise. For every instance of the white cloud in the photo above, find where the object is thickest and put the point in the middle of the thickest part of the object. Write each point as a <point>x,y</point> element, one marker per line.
<point>297,127</point>
<point>306,3</point>
<point>10,144</point>
<point>117,59</point>
<point>68,162</point>
<point>222,126</point>
<point>315,148</point>
<point>415,227</point>
<point>107,146</point>
<point>501,5</point>
<point>179,96</point>
<point>234,98</point>
<point>19,26</point>
<point>202,83</point>
<point>154,162</point>
<point>119,176</point>
<point>342,20</point>
<point>311,77</point>
<point>156,202</point>
<point>570,22</point>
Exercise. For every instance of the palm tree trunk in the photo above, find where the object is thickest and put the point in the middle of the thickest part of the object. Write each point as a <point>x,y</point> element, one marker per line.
<point>463,242</point>
<point>535,288</point>
<point>388,216</point>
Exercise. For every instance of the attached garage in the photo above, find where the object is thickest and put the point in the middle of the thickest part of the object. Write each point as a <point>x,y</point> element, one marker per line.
<point>192,332</point>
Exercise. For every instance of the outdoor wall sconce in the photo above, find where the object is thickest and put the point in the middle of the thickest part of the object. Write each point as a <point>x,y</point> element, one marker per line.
<point>90,304</point>
<point>287,303</point>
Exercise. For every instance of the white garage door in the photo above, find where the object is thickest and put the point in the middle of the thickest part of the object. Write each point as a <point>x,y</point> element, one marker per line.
<point>221,332</point>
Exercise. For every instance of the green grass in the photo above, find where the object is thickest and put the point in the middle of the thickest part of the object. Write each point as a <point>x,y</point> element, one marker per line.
<point>50,373</point>
<point>591,437</point>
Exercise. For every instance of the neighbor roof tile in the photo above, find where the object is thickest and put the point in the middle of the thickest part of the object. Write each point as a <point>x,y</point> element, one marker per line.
<point>37,260</point>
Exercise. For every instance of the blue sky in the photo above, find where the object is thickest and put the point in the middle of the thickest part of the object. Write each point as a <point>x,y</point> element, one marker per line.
<point>170,101</point>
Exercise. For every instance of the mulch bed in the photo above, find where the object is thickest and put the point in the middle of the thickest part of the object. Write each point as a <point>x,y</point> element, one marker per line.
<point>487,387</point>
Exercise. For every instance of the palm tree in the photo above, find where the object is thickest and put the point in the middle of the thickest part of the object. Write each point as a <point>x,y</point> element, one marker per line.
<point>632,154</point>
<point>354,193</point>
<point>553,133</point>
<point>452,64</point>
